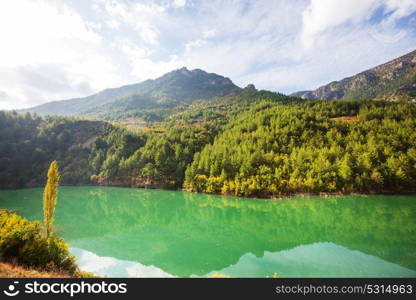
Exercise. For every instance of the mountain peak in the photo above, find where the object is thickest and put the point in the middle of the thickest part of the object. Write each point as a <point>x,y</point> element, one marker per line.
<point>176,88</point>
<point>184,70</point>
<point>197,77</point>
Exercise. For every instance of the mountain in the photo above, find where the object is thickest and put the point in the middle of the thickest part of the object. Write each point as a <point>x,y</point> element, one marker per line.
<point>153,100</point>
<point>392,81</point>
<point>179,87</point>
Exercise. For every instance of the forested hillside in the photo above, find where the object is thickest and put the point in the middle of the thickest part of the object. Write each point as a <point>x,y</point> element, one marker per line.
<point>29,143</point>
<point>275,149</point>
<point>257,143</point>
<point>92,152</point>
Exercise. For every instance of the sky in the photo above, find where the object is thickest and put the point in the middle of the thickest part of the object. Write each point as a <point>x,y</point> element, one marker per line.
<point>53,50</point>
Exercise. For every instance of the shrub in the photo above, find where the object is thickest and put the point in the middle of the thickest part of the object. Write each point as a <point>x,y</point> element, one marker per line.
<point>22,241</point>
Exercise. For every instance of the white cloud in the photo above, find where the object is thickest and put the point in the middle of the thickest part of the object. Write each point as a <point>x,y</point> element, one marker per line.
<point>400,8</point>
<point>145,68</point>
<point>142,67</point>
<point>322,15</point>
<point>178,3</point>
<point>236,39</point>
<point>113,24</point>
<point>39,25</point>
<point>138,15</point>
<point>53,49</point>
<point>194,44</point>
<point>48,53</point>
<point>206,34</point>
<point>340,38</point>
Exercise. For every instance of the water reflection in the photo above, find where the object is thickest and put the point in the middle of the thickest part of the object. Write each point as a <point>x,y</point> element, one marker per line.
<point>187,234</point>
<point>315,260</point>
<point>112,267</point>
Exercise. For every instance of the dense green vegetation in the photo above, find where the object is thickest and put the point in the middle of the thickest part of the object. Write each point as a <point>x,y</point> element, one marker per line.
<point>277,149</point>
<point>22,242</point>
<point>120,157</point>
<point>159,159</point>
<point>91,152</point>
<point>256,143</point>
<point>110,150</point>
<point>29,143</point>
<point>163,160</point>
<point>31,244</point>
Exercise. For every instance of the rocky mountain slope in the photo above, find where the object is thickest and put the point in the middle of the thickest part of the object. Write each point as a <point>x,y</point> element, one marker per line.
<point>392,81</point>
<point>175,88</point>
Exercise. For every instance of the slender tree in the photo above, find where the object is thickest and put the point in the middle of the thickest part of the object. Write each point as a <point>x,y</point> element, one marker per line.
<point>50,195</point>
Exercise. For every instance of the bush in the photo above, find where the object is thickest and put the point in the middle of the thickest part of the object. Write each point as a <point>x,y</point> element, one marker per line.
<point>22,241</point>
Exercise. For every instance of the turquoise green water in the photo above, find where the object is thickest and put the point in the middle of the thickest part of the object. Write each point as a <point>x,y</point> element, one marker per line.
<point>147,233</point>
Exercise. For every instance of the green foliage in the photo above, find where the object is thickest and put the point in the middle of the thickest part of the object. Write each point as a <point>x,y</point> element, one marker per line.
<point>163,160</point>
<point>160,159</point>
<point>29,143</point>
<point>21,241</point>
<point>275,149</point>
<point>50,196</point>
<point>110,151</point>
<point>256,143</point>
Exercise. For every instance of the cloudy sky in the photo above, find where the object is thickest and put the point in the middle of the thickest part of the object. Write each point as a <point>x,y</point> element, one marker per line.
<point>52,50</point>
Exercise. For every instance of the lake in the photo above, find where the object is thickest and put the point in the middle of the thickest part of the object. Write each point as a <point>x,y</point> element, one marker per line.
<point>126,232</point>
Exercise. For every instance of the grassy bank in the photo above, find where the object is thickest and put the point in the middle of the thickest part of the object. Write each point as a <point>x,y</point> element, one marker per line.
<point>13,270</point>
<point>10,270</point>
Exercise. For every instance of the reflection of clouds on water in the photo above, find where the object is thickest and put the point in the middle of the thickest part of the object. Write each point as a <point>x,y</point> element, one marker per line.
<point>139,270</point>
<point>315,260</point>
<point>91,262</point>
<point>180,234</point>
<point>112,267</point>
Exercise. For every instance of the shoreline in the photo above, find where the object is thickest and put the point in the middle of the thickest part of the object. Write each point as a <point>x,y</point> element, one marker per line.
<point>318,194</point>
<point>273,197</point>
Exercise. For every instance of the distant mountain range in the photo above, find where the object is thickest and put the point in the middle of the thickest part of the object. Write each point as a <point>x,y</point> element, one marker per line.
<point>392,81</point>
<point>179,87</point>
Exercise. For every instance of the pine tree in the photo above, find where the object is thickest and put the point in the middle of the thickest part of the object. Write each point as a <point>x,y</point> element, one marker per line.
<point>50,195</point>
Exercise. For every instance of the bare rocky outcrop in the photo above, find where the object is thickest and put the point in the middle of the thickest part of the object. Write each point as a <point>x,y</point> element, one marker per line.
<point>392,81</point>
